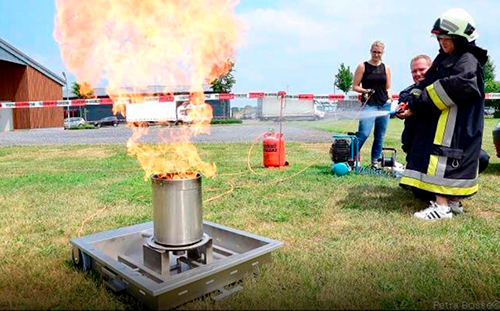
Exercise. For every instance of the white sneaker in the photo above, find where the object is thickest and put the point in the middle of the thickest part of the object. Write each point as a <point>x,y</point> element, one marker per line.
<point>375,167</point>
<point>434,212</point>
<point>456,207</point>
<point>353,166</point>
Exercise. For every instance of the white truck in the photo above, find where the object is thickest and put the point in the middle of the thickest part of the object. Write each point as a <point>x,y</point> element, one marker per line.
<point>174,112</point>
<point>293,109</point>
<point>151,110</point>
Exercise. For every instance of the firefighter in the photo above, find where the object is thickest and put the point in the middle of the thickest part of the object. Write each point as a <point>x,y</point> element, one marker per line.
<point>419,66</point>
<point>449,115</point>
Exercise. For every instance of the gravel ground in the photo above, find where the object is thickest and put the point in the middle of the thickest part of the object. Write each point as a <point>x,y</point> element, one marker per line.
<point>234,133</point>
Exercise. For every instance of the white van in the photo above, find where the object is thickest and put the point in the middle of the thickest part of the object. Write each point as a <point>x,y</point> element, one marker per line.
<point>73,122</point>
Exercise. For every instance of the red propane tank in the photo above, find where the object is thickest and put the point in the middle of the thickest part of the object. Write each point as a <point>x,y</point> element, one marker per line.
<point>274,149</point>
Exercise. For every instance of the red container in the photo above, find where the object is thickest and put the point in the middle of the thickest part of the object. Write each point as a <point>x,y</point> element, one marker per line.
<point>274,150</point>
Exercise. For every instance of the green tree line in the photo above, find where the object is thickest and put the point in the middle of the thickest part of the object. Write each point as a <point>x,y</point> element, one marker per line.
<point>490,85</point>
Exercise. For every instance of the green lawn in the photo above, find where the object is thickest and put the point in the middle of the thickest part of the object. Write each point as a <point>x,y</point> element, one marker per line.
<point>350,242</point>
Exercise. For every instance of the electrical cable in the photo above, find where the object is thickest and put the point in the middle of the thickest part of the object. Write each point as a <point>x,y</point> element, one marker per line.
<point>289,177</point>
<point>220,195</point>
<point>232,187</point>
<point>250,152</point>
<point>84,222</point>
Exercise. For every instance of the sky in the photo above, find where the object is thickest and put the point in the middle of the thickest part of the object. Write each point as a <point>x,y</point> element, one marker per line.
<point>292,45</point>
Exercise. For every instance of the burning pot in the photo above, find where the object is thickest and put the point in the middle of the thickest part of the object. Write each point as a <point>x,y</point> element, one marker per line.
<point>177,211</point>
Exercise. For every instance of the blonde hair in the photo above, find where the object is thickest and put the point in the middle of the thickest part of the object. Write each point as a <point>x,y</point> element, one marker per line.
<point>427,58</point>
<point>378,43</point>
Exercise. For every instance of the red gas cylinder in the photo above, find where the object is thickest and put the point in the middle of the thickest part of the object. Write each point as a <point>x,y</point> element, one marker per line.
<point>274,149</point>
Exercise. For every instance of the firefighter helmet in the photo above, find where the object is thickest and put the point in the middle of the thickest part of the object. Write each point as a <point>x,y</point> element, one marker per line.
<point>456,22</point>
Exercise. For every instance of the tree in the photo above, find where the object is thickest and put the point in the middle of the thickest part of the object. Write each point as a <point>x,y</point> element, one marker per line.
<point>492,87</point>
<point>224,84</point>
<point>343,79</point>
<point>489,70</point>
<point>83,90</point>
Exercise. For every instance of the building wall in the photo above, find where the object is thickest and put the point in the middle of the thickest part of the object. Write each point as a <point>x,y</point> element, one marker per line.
<point>21,118</point>
<point>32,86</point>
<point>14,87</point>
<point>12,77</point>
<point>221,108</point>
<point>47,117</point>
<point>6,123</point>
<point>41,87</point>
<point>99,111</point>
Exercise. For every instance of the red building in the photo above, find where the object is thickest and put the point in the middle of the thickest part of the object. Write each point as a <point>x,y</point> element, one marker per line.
<point>23,79</point>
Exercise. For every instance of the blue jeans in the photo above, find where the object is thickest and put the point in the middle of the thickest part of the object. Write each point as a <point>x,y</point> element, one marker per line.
<point>370,115</point>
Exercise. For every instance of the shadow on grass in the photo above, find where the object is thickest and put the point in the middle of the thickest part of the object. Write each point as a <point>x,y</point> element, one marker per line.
<point>382,198</point>
<point>492,169</point>
<point>321,169</point>
<point>128,301</point>
<point>123,297</point>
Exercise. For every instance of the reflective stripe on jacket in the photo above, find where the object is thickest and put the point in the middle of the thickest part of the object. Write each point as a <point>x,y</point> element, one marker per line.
<point>444,154</point>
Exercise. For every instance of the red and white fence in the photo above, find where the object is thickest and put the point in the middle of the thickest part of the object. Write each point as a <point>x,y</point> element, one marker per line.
<point>173,98</point>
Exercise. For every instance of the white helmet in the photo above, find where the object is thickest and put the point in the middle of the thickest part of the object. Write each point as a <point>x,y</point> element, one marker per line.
<point>456,22</point>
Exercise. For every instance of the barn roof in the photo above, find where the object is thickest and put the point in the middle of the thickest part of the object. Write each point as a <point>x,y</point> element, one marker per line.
<point>10,54</point>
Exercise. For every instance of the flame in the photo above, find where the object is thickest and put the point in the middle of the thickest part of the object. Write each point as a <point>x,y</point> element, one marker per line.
<point>220,70</point>
<point>130,44</point>
<point>176,160</point>
<point>86,91</point>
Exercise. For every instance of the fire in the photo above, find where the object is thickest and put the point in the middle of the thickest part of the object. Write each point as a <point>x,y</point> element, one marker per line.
<point>130,44</point>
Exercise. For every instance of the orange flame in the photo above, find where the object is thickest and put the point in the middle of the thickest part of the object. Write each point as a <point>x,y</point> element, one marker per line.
<point>178,158</point>
<point>130,44</point>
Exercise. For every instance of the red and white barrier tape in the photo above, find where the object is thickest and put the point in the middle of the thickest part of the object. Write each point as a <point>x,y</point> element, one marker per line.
<point>172,98</point>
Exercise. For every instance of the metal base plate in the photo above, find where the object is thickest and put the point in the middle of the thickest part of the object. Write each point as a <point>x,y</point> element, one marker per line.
<point>153,244</point>
<point>118,256</point>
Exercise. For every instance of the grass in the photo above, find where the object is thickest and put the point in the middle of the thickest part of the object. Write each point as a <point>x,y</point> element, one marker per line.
<point>350,242</point>
<point>226,121</point>
<point>86,126</point>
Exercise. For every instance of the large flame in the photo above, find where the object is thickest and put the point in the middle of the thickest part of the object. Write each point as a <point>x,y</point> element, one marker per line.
<point>131,44</point>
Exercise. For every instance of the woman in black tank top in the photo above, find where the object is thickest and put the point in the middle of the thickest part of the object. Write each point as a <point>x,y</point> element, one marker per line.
<point>373,80</point>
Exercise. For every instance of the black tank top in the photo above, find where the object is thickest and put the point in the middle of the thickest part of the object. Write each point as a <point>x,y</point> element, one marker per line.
<point>375,78</point>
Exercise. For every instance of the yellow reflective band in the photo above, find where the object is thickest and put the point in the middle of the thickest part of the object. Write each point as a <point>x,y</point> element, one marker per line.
<point>441,127</point>
<point>439,189</point>
<point>435,98</point>
<point>433,162</point>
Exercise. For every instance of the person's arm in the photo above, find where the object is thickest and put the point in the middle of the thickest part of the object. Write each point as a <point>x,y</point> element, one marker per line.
<point>459,88</point>
<point>358,76</point>
<point>388,83</point>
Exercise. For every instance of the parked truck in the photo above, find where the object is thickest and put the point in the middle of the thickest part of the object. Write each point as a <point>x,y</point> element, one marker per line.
<point>293,109</point>
<point>151,111</point>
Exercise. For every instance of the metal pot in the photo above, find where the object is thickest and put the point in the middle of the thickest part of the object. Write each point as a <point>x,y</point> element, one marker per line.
<point>177,211</point>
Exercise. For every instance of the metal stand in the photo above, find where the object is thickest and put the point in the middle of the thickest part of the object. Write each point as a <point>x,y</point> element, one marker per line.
<point>157,257</point>
<point>164,277</point>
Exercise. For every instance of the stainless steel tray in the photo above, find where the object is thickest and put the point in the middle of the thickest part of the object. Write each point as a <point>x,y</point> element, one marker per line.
<point>118,256</point>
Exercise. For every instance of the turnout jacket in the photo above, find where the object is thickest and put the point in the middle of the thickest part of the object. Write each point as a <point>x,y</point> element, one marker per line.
<point>448,126</point>
<point>409,128</point>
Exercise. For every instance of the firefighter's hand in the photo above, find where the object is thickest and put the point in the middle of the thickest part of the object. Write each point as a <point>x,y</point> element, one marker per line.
<point>402,106</point>
<point>406,112</point>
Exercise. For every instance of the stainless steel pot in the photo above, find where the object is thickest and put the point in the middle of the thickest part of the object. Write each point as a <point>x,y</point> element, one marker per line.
<point>177,211</point>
